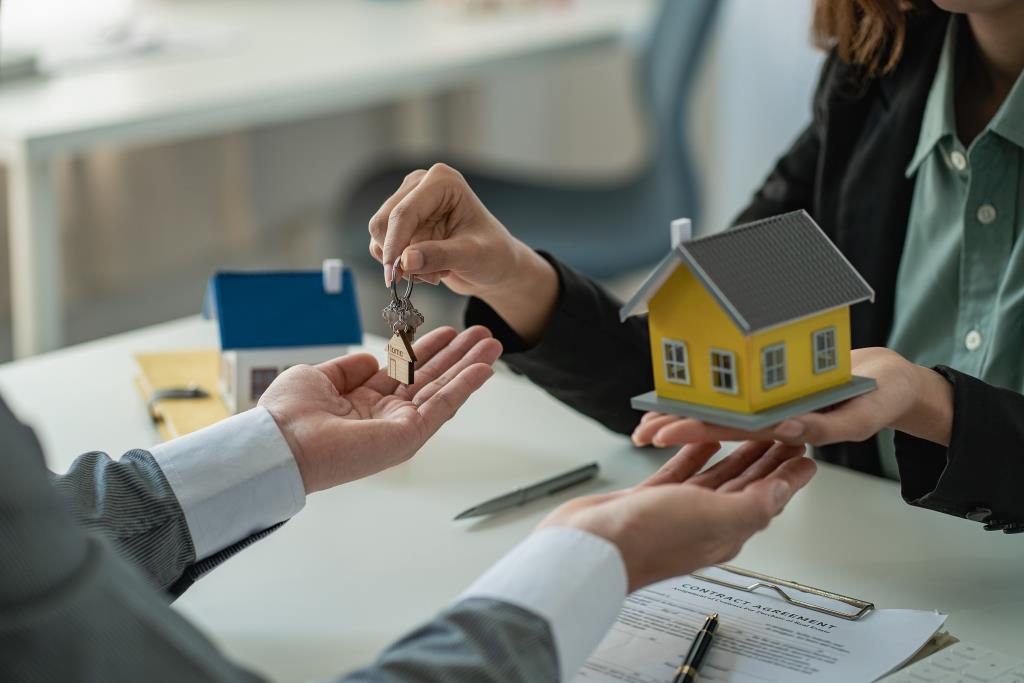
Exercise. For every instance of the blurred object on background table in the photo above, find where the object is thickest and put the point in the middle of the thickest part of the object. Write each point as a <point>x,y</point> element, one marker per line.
<point>484,6</point>
<point>89,34</point>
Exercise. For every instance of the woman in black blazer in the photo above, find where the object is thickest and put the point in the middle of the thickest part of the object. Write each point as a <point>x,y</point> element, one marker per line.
<point>960,441</point>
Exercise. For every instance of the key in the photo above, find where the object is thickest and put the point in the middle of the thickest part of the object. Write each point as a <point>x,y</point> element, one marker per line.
<point>400,314</point>
<point>392,314</point>
<point>403,319</point>
<point>410,318</point>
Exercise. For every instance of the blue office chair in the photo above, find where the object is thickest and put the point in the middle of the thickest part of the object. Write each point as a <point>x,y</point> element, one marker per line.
<point>599,228</point>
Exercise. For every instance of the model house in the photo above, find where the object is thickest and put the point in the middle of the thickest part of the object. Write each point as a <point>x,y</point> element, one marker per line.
<point>272,320</point>
<point>751,325</point>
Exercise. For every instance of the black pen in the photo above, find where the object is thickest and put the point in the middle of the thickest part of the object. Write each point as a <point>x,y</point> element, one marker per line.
<point>689,670</point>
<point>532,492</point>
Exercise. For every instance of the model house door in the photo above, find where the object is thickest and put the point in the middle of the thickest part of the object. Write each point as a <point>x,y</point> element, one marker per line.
<point>392,368</point>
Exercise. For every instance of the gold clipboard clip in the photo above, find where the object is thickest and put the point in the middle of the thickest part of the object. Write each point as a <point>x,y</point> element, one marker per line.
<point>776,585</point>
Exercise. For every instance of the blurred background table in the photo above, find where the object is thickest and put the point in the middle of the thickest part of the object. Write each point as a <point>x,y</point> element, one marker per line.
<point>278,62</point>
<point>366,562</point>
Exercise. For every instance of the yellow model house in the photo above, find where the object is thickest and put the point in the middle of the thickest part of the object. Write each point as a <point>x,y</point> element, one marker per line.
<point>751,326</point>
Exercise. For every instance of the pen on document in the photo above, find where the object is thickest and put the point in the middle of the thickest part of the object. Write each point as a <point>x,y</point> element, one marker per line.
<point>521,496</point>
<point>690,668</point>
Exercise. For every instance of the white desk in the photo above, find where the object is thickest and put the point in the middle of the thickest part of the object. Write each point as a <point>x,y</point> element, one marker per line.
<point>283,61</point>
<point>365,562</point>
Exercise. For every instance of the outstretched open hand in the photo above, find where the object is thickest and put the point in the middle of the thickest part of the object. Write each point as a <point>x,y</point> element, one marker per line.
<point>681,519</point>
<point>346,419</point>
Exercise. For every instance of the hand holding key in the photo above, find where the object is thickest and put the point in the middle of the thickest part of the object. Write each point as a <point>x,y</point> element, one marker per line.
<point>438,230</point>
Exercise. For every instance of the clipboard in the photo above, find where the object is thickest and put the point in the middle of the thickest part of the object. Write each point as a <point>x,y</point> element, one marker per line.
<point>858,608</point>
<point>173,385</point>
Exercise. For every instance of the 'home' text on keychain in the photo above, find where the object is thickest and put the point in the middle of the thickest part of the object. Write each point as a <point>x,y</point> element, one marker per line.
<point>403,319</point>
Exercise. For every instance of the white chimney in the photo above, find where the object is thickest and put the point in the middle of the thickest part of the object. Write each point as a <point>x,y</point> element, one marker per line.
<point>682,231</point>
<point>333,268</point>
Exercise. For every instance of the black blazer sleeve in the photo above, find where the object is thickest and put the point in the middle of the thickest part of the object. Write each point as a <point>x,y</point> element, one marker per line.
<point>586,358</point>
<point>981,474</point>
<point>792,183</point>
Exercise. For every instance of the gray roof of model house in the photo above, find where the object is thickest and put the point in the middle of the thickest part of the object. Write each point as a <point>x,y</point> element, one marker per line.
<point>765,273</point>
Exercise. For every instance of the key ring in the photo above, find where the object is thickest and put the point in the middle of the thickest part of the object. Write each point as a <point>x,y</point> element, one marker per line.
<point>394,287</point>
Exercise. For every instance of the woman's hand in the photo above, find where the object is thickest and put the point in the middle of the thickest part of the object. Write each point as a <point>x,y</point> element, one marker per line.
<point>679,521</point>
<point>440,231</point>
<point>909,398</point>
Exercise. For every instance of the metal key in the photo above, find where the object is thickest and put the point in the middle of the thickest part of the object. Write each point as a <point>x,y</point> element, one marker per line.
<point>400,314</point>
<point>410,318</point>
<point>393,314</point>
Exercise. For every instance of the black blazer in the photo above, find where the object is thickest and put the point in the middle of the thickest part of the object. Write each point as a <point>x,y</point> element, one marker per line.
<point>847,169</point>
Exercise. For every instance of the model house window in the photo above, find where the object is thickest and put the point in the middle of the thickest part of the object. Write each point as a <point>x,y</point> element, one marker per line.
<point>677,362</point>
<point>825,356</point>
<point>773,366</point>
<point>261,379</point>
<point>723,371</point>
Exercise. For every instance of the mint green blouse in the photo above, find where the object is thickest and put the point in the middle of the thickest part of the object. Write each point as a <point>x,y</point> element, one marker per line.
<point>960,286</point>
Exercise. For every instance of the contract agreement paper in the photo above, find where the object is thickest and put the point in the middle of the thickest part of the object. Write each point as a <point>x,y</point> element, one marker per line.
<point>761,638</point>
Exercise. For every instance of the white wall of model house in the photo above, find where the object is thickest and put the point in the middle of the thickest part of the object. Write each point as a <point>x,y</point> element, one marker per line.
<point>246,373</point>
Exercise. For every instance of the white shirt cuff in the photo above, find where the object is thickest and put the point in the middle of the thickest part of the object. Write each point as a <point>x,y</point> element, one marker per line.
<point>573,579</point>
<point>232,479</point>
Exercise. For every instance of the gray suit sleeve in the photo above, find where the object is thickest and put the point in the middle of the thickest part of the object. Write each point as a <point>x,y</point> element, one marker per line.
<point>130,503</point>
<point>72,608</point>
<point>475,641</point>
<point>78,600</point>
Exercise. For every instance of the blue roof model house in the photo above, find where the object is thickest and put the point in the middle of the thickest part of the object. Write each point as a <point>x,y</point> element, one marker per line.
<point>272,320</point>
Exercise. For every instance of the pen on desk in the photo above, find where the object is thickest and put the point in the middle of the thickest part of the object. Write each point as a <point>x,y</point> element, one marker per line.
<point>689,670</point>
<point>521,496</point>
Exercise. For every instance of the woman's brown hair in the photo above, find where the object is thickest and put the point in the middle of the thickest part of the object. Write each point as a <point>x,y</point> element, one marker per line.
<point>869,33</point>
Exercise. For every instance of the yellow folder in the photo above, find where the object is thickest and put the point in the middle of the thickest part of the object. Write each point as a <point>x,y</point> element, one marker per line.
<point>180,369</point>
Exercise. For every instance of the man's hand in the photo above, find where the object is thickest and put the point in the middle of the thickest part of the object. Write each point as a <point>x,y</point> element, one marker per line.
<point>346,419</point>
<point>909,398</point>
<point>679,521</point>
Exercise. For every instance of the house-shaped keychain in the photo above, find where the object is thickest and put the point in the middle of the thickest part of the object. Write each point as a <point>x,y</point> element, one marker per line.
<point>751,326</point>
<point>401,359</point>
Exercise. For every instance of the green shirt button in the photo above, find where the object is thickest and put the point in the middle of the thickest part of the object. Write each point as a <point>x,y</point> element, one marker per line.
<point>986,214</point>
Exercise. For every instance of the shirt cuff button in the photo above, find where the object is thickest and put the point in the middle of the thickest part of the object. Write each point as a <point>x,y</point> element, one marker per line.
<point>979,514</point>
